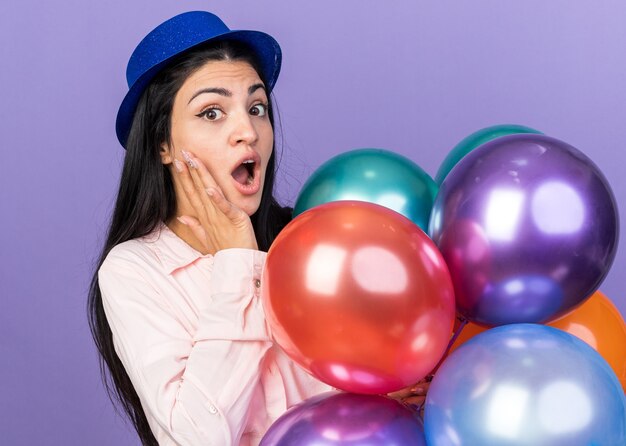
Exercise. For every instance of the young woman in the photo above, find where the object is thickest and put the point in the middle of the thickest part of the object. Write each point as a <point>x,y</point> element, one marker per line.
<point>174,305</point>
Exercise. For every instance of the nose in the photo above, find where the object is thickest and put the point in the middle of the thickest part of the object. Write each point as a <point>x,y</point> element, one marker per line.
<point>243,131</point>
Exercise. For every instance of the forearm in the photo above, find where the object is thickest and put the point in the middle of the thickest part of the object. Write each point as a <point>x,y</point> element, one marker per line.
<point>230,344</point>
<point>212,399</point>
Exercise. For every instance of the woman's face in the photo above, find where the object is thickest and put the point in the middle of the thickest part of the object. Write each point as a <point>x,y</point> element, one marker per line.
<point>220,116</point>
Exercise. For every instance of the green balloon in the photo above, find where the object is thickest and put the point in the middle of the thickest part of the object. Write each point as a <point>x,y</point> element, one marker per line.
<point>473,141</point>
<point>375,176</point>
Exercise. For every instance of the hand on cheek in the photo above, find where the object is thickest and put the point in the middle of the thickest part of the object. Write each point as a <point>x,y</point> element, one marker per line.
<point>218,224</point>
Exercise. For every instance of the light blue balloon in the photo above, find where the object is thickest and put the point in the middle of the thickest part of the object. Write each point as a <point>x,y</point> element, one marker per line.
<point>375,176</point>
<point>525,385</point>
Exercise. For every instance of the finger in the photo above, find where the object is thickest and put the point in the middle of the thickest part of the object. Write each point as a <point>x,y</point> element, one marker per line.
<point>416,407</point>
<point>184,175</point>
<point>232,212</point>
<point>201,175</point>
<point>195,166</point>
<point>421,387</point>
<point>191,191</point>
<point>195,226</point>
<point>415,400</point>
<point>207,179</point>
<point>209,206</point>
<point>400,394</point>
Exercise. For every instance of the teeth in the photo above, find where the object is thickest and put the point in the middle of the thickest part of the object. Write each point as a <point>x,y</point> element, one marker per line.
<point>249,166</point>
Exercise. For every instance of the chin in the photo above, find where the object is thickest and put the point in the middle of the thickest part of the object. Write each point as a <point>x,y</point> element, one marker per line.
<point>247,202</point>
<point>249,206</point>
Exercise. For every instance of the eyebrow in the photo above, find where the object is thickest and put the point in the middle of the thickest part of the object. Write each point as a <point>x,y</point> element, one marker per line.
<point>255,87</point>
<point>224,92</point>
<point>220,91</point>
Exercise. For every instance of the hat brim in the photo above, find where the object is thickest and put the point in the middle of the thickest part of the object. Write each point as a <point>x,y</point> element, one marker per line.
<point>264,46</point>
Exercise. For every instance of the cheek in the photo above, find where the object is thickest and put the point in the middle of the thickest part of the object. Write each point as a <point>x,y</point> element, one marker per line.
<point>189,133</point>
<point>216,166</point>
<point>177,128</point>
<point>266,159</point>
<point>266,136</point>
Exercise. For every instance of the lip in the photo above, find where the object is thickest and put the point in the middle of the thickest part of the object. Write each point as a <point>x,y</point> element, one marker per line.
<point>255,186</point>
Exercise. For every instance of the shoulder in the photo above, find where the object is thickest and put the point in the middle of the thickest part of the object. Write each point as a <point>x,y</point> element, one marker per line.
<point>130,269</point>
<point>138,257</point>
<point>132,253</point>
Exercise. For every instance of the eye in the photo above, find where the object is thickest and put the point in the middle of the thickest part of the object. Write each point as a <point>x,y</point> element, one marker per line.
<point>212,114</point>
<point>259,110</point>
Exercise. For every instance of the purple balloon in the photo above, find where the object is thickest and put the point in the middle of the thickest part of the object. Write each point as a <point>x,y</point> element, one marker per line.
<point>528,226</point>
<point>347,419</point>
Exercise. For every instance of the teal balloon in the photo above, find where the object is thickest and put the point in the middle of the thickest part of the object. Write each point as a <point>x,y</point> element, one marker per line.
<point>473,141</point>
<point>374,176</point>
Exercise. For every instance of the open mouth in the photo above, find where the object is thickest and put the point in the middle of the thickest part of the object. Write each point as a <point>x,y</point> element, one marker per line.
<point>244,173</point>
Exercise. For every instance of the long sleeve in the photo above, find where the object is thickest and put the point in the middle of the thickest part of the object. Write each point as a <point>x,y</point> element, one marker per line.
<point>196,386</point>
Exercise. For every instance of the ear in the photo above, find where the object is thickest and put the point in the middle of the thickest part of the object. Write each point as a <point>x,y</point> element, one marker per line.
<point>166,154</point>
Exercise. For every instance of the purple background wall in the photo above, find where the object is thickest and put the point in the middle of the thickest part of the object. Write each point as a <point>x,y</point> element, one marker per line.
<point>411,76</point>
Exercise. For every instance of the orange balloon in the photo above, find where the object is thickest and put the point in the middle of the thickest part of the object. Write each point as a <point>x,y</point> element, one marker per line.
<point>359,296</point>
<point>597,322</point>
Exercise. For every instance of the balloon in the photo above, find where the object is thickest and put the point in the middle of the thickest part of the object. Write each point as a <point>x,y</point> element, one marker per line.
<point>375,176</point>
<point>599,323</point>
<point>475,140</point>
<point>528,226</point>
<point>525,384</point>
<point>346,419</point>
<point>359,296</point>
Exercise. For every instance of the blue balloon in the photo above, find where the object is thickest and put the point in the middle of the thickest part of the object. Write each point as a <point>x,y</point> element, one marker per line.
<point>525,384</point>
<point>346,419</point>
<point>375,176</point>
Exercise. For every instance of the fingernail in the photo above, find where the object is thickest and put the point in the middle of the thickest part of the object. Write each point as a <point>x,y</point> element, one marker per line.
<point>190,161</point>
<point>210,191</point>
<point>178,165</point>
<point>180,219</point>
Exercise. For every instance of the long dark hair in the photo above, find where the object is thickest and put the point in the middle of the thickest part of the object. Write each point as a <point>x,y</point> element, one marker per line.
<point>146,198</point>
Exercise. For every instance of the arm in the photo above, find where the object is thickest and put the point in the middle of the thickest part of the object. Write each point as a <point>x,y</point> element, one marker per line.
<point>197,386</point>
